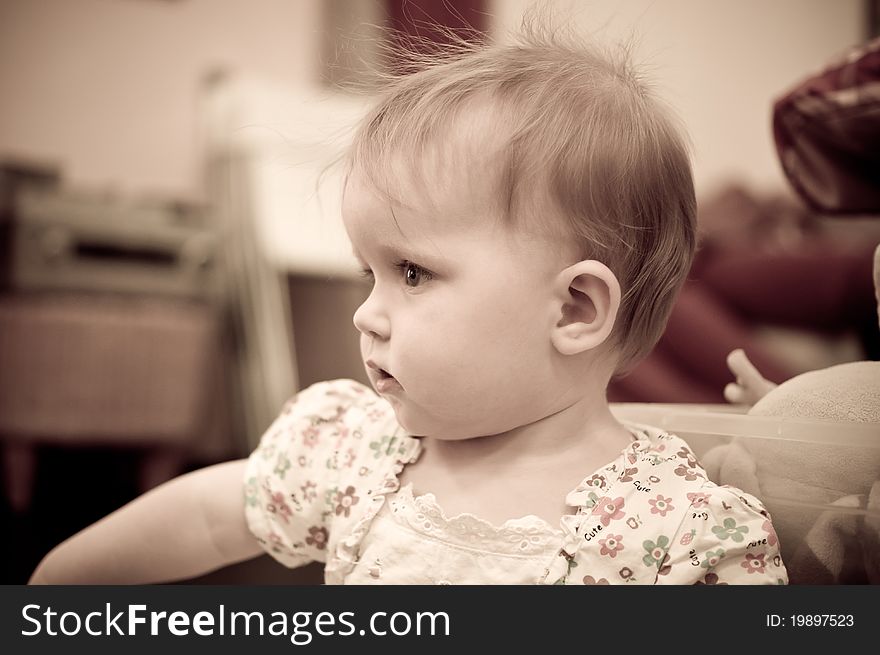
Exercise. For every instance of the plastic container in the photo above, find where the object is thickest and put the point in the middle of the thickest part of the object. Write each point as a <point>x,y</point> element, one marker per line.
<point>820,481</point>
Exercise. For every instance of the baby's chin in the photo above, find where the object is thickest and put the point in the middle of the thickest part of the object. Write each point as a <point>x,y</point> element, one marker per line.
<point>421,427</point>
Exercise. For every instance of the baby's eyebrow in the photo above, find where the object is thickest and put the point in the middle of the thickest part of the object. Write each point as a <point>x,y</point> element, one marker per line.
<point>396,252</point>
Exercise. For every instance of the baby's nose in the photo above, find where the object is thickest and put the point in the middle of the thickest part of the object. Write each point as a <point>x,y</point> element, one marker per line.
<point>371,321</point>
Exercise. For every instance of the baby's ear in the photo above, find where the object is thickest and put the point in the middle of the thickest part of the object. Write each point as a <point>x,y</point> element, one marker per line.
<point>588,295</point>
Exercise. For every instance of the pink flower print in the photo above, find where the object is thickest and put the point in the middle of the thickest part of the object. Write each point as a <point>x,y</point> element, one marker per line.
<point>596,481</point>
<point>303,461</point>
<point>665,566</point>
<point>310,436</point>
<point>661,505</point>
<point>686,473</point>
<point>772,539</point>
<point>344,501</point>
<point>625,573</point>
<point>611,545</point>
<point>710,579</point>
<point>754,563</point>
<point>627,475</point>
<point>686,454</point>
<point>317,537</point>
<point>341,434</point>
<point>349,458</point>
<point>698,499</point>
<point>609,510</point>
<point>277,505</point>
<point>363,471</point>
<point>309,490</point>
<point>590,580</point>
<point>275,543</point>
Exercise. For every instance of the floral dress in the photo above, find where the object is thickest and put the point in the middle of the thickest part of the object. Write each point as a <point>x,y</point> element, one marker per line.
<point>323,486</point>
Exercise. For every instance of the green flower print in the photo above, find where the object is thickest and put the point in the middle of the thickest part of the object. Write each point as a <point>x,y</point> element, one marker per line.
<point>281,465</point>
<point>383,447</point>
<point>267,450</point>
<point>329,495</point>
<point>592,499</point>
<point>250,492</point>
<point>712,558</point>
<point>656,551</point>
<point>730,531</point>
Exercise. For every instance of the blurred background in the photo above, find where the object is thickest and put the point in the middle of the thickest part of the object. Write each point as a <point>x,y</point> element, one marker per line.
<point>173,267</point>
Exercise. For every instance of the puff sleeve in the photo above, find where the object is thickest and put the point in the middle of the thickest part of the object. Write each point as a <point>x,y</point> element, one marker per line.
<point>725,537</point>
<point>299,478</point>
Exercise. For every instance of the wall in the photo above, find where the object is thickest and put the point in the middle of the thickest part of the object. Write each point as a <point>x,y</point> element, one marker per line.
<point>720,64</point>
<point>109,88</point>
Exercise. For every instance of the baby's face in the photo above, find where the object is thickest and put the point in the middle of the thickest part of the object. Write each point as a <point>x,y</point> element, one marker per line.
<point>460,313</point>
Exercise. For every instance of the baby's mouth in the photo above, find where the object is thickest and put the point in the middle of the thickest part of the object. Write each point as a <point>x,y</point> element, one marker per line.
<point>385,375</point>
<point>384,381</point>
<point>383,378</point>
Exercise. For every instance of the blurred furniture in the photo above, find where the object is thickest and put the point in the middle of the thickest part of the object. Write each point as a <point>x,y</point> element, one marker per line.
<point>276,194</point>
<point>81,369</point>
<point>112,331</point>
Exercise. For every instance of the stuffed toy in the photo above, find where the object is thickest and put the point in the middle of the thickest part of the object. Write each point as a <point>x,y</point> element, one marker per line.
<point>823,495</point>
<point>826,495</point>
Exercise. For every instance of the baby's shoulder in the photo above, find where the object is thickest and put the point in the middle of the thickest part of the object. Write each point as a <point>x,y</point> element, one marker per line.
<point>669,455</point>
<point>662,459</point>
<point>330,398</point>
<point>332,416</point>
<point>338,401</point>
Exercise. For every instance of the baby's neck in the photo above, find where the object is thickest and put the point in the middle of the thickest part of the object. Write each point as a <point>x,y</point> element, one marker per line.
<point>526,471</point>
<point>582,431</point>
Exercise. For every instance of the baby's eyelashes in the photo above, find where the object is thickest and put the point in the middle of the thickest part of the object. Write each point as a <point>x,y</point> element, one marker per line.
<point>413,274</point>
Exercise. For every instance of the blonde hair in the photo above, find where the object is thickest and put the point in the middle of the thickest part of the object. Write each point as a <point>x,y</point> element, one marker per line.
<point>580,125</point>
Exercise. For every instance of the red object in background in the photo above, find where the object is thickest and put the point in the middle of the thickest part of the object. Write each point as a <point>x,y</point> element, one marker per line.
<point>827,132</point>
<point>416,22</point>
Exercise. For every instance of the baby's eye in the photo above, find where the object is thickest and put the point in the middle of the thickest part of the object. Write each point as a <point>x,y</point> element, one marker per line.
<point>413,274</point>
<point>367,274</point>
